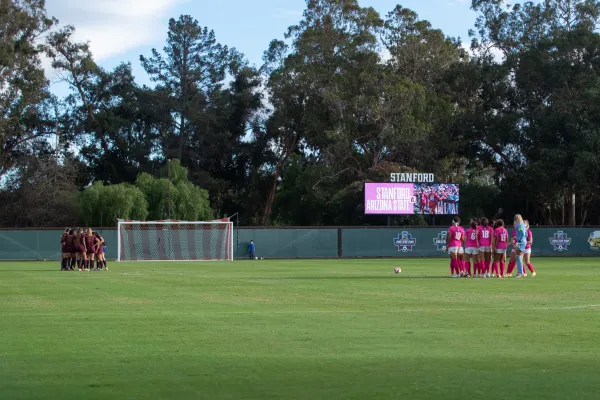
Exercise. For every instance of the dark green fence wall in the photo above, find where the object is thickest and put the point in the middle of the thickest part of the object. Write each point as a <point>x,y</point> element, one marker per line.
<point>43,244</point>
<point>319,242</point>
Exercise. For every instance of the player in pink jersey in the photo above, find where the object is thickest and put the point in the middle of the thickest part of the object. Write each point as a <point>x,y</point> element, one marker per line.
<point>527,252</point>
<point>471,249</point>
<point>454,239</point>
<point>485,232</point>
<point>499,245</point>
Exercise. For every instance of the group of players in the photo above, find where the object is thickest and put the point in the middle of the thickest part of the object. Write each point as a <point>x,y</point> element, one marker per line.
<point>436,199</point>
<point>486,244</point>
<point>80,248</point>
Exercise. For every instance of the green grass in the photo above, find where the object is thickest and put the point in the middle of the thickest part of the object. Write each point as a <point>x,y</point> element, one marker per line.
<point>298,330</point>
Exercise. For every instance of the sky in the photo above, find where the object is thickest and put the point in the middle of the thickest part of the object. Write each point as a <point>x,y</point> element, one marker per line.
<point>122,30</point>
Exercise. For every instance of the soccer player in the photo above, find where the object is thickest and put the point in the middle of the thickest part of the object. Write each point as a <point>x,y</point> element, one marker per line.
<point>520,243</point>
<point>90,241</point>
<point>471,250</point>
<point>527,253</point>
<point>69,251</point>
<point>62,248</point>
<point>251,248</point>
<point>100,251</point>
<point>80,249</point>
<point>499,244</point>
<point>433,201</point>
<point>486,232</point>
<point>454,239</point>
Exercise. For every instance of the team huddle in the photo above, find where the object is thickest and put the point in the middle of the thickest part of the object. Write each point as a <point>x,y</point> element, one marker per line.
<point>81,247</point>
<point>486,244</point>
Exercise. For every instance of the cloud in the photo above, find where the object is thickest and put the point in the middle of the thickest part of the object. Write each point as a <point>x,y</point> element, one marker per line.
<point>114,26</point>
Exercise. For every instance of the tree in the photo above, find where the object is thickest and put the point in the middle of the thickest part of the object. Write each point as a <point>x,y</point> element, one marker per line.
<point>116,123</point>
<point>173,196</point>
<point>23,86</point>
<point>41,192</point>
<point>550,62</point>
<point>102,205</point>
<point>192,68</point>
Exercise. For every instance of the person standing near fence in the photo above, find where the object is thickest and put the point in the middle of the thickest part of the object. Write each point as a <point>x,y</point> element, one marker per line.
<point>251,249</point>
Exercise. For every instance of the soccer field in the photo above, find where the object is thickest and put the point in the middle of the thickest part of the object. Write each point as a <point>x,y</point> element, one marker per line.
<point>339,329</point>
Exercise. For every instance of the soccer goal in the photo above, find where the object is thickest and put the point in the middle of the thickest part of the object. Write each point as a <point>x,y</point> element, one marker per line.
<point>175,240</point>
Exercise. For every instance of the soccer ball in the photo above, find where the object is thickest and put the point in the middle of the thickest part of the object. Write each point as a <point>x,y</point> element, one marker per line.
<point>256,258</point>
<point>397,270</point>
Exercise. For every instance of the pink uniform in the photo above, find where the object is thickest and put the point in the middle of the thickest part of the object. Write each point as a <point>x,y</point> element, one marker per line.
<point>485,235</point>
<point>529,237</point>
<point>501,235</point>
<point>471,238</point>
<point>456,234</point>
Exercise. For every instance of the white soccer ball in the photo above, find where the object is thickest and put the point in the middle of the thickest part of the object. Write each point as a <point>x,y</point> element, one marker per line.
<point>397,270</point>
<point>256,258</point>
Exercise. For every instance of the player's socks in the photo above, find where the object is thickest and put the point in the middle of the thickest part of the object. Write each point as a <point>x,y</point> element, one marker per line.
<point>511,267</point>
<point>487,265</point>
<point>502,268</point>
<point>454,266</point>
<point>519,265</point>
<point>105,265</point>
<point>495,268</point>
<point>531,269</point>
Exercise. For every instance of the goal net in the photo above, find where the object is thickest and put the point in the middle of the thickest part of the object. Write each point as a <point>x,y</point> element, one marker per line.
<point>175,240</point>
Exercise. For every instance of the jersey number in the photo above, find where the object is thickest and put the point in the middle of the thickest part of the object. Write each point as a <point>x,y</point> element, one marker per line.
<point>458,235</point>
<point>503,237</point>
<point>473,236</point>
<point>485,234</point>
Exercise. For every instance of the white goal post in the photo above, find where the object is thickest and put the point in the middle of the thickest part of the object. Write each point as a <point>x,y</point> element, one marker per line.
<point>175,240</point>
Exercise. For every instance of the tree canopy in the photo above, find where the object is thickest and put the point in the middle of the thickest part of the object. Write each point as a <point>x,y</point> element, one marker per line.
<point>345,96</point>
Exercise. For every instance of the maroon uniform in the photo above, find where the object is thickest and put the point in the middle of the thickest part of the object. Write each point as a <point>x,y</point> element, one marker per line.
<point>69,244</point>
<point>89,243</point>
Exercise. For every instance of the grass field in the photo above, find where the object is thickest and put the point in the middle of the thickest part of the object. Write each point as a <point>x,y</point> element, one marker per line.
<point>298,330</point>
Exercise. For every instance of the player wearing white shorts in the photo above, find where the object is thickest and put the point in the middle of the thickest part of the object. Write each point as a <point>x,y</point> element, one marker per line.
<point>471,250</point>
<point>499,245</point>
<point>454,239</point>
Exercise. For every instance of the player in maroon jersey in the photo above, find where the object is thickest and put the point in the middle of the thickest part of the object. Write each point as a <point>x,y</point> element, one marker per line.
<point>69,251</point>
<point>100,258</point>
<point>80,250</point>
<point>62,248</point>
<point>90,242</point>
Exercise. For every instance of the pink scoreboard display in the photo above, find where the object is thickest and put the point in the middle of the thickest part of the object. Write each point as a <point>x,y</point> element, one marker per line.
<point>411,198</point>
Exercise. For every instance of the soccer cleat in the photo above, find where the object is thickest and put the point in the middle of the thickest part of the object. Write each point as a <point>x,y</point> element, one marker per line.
<point>533,275</point>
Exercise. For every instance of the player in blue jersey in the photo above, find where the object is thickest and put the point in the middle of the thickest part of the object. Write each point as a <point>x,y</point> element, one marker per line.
<point>520,243</point>
<point>251,249</point>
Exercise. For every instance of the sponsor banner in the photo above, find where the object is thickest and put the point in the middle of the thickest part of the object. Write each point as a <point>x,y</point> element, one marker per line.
<point>594,241</point>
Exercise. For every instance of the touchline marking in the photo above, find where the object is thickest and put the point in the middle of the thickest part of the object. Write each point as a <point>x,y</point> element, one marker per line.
<point>265,312</point>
